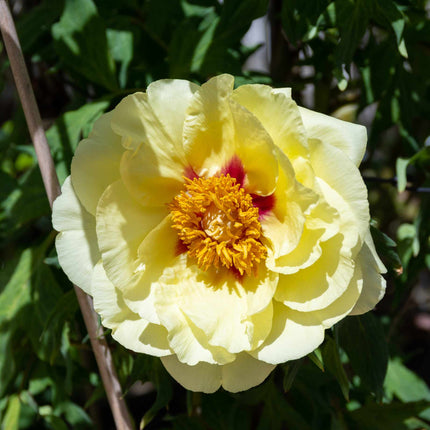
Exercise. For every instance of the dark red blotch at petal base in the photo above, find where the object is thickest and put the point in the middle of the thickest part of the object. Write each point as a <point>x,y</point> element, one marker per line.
<point>264,203</point>
<point>180,248</point>
<point>190,173</point>
<point>235,169</point>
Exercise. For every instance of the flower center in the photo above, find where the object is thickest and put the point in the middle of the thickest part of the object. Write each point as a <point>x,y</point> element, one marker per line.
<point>218,223</point>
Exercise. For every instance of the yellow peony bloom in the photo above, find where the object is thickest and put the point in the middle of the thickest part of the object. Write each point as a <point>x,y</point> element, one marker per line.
<point>221,230</point>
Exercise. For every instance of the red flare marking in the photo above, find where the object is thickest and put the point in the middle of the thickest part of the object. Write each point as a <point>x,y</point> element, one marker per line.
<point>180,248</point>
<point>190,173</point>
<point>264,203</point>
<point>235,169</point>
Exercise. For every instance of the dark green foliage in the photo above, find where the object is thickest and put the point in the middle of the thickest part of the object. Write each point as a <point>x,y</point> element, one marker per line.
<point>368,56</point>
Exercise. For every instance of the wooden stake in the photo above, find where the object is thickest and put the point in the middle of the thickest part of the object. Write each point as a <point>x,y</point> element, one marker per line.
<point>52,187</point>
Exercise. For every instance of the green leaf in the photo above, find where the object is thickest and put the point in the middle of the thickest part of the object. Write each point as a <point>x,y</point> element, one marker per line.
<point>16,293</point>
<point>64,135</point>
<point>352,18</point>
<point>401,166</point>
<point>406,385</point>
<point>290,371</point>
<point>80,41</point>
<point>332,362</point>
<point>374,416</point>
<point>11,417</point>
<point>149,368</point>
<point>7,362</point>
<point>120,44</point>
<point>363,339</point>
<point>316,358</point>
<point>386,248</point>
<point>36,23</point>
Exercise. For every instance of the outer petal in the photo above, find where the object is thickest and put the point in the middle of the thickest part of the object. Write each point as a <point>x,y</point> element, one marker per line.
<point>77,242</point>
<point>293,335</point>
<point>122,224</point>
<point>151,127</point>
<point>244,373</point>
<point>96,163</point>
<point>128,328</point>
<point>278,114</point>
<point>202,377</point>
<point>346,190</point>
<point>240,375</point>
<point>348,137</point>
<point>373,283</point>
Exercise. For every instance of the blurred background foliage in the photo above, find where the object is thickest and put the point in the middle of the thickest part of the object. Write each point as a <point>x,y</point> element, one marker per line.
<point>360,60</point>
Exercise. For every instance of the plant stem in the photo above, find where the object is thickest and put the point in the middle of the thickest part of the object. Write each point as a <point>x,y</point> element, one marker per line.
<point>52,187</point>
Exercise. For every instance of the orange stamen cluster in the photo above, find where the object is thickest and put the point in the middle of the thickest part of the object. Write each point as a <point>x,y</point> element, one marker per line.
<point>216,220</point>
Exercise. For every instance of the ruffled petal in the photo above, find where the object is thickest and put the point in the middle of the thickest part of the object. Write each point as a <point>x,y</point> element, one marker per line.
<point>209,128</point>
<point>350,138</point>
<point>256,151</point>
<point>278,114</point>
<point>283,225</point>
<point>122,225</point>
<point>293,336</point>
<point>202,377</point>
<point>77,242</point>
<point>244,373</point>
<point>96,162</point>
<point>203,297</point>
<point>320,284</point>
<point>240,375</point>
<point>151,126</point>
<point>343,188</point>
<point>342,306</point>
<point>128,328</point>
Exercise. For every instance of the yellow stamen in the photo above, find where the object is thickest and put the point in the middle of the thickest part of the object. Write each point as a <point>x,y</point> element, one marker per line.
<point>216,220</point>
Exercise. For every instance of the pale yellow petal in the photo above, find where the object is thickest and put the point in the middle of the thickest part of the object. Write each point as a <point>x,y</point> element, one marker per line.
<point>278,114</point>
<point>294,335</point>
<point>151,179</point>
<point>256,151</point>
<point>285,91</point>
<point>322,223</point>
<point>304,255</point>
<point>202,377</point>
<point>343,188</point>
<point>232,314</point>
<point>169,100</point>
<point>320,284</point>
<point>373,283</point>
<point>350,138</point>
<point>128,328</point>
<point>77,242</point>
<point>96,162</point>
<point>283,225</point>
<point>151,126</point>
<point>244,373</point>
<point>122,225</point>
<point>342,306</point>
<point>154,254</point>
<point>208,128</point>
<point>240,375</point>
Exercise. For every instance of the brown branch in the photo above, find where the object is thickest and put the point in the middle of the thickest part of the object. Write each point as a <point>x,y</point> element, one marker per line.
<point>52,186</point>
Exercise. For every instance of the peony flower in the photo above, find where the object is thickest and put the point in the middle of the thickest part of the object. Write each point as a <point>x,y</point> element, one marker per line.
<point>221,230</point>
